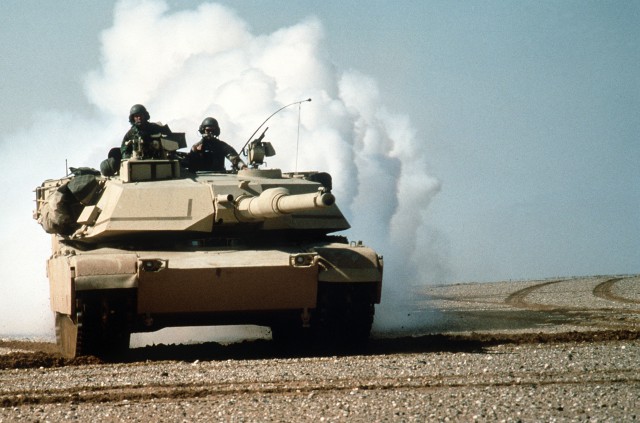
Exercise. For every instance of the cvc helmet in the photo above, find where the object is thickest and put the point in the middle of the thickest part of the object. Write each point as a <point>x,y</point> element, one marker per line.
<point>209,121</point>
<point>138,109</point>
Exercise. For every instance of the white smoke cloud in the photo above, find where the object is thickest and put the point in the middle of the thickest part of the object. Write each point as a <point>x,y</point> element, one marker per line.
<point>186,65</point>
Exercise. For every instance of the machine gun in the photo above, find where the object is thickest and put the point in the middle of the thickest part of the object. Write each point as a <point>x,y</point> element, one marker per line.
<point>257,149</point>
<point>160,146</point>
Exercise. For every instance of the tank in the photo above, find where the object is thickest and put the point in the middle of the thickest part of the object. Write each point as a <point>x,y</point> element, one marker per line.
<point>155,245</point>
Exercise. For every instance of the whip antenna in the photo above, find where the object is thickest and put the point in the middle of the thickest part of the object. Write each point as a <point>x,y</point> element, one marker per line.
<point>295,169</point>
<point>265,121</point>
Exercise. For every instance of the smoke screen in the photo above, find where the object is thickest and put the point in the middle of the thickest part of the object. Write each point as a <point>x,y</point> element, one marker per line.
<point>186,65</point>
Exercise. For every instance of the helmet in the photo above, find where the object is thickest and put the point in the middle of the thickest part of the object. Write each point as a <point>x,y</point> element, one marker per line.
<point>138,109</point>
<point>209,121</point>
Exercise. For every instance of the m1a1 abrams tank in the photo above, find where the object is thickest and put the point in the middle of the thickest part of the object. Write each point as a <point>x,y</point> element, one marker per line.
<point>156,245</point>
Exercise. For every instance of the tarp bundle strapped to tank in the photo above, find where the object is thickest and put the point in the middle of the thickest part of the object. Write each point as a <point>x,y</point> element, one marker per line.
<point>62,207</point>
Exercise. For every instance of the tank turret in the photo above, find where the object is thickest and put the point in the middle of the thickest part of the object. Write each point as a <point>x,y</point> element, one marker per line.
<point>152,199</point>
<point>156,245</point>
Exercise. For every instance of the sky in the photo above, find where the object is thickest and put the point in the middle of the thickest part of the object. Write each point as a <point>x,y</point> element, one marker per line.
<point>468,141</point>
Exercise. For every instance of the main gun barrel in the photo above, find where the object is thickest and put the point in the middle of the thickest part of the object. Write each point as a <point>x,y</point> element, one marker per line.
<point>274,202</point>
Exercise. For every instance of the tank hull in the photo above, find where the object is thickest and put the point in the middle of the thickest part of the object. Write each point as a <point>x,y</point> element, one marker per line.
<point>102,296</point>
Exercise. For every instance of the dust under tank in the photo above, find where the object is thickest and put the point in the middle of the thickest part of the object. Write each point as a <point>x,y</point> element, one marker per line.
<point>155,245</point>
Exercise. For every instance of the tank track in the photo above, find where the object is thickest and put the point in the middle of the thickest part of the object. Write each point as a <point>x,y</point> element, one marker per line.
<point>344,314</point>
<point>342,319</point>
<point>95,330</point>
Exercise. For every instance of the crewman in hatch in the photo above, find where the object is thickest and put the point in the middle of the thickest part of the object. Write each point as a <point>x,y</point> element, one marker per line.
<point>209,153</point>
<point>145,132</point>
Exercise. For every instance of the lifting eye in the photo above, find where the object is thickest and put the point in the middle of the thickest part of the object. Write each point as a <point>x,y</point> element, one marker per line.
<point>302,259</point>
<point>152,265</point>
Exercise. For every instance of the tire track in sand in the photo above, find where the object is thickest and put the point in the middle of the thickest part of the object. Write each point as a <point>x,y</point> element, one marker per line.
<point>604,290</point>
<point>517,299</point>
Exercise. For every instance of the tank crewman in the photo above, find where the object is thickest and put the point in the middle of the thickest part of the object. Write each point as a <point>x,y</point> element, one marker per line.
<point>209,153</point>
<point>142,130</point>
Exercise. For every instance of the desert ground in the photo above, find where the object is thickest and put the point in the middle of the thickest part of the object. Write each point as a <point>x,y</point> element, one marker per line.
<point>565,349</point>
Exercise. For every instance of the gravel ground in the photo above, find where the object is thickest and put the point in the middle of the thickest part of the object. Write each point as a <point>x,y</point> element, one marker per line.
<point>553,350</point>
<point>574,382</point>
